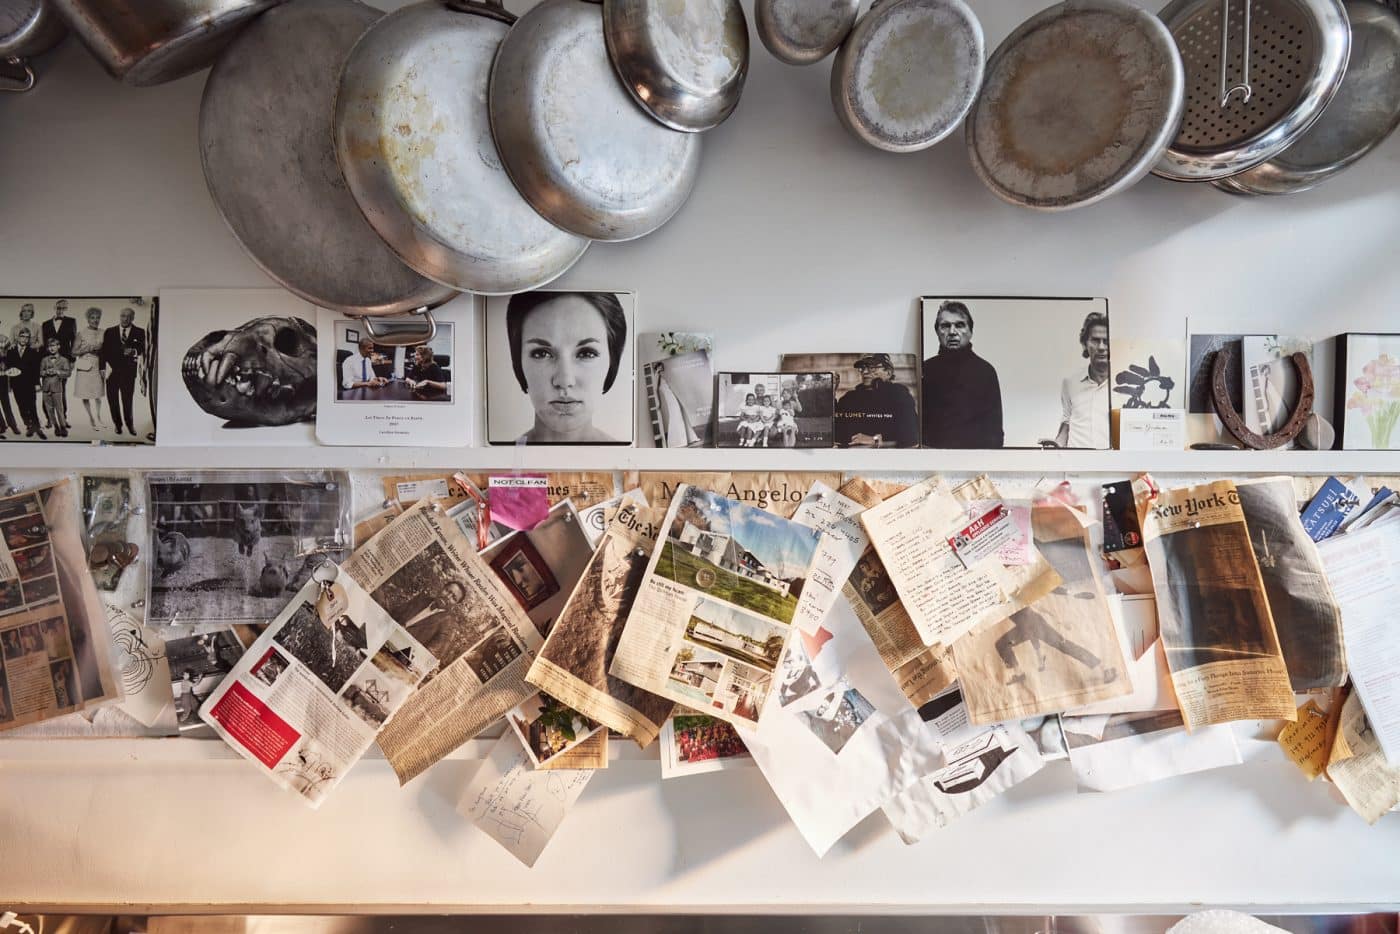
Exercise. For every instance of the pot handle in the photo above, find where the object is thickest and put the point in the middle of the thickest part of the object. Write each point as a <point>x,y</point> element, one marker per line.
<point>492,9</point>
<point>18,70</point>
<point>405,330</point>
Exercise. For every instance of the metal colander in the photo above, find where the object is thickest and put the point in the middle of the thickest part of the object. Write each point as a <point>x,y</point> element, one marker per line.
<point>1282,62</point>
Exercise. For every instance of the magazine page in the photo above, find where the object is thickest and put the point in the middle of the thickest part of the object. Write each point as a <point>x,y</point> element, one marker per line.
<point>843,540</point>
<point>778,492</point>
<point>1062,651</point>
<point>427,576</point>
<point>517,805</point>
<point>837,739</point>
<point>980,764</point>
<point>695,743</point>
<point>307,698</point>
<point>1137,748</point>
<point>55,640</point>
<point>1306,617</point>
<point>716,605</point>
<point>1211,605</point>
<point>573,663</point>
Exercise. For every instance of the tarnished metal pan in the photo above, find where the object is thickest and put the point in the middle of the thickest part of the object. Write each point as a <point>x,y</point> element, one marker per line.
<point>683,62</point>
<point>1258,74</point>
<point>576,145</point>
<point>803,32</point>
<point>907,74</point>
<point>265,140</point>
<point>413,135</point>
<point>28,28</point>
<point>1364,112</point>
<point>1079,103</point>
<point>145,42</point>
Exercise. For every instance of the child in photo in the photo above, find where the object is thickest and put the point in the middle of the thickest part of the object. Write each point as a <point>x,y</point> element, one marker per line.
<point>768,413</point>
<point>751,422</point>
<point>54,371</point>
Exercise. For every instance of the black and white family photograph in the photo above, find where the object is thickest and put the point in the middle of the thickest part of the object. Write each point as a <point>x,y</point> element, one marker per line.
<point>680,393</point>
<point>236,551</point>
<point>369,372</point>
<point>559,368</point>
<point>197,665</point>
<point>984,385</point>
<point>78,369</point>
<point>774,410</point>
<point>240,367</point>
<point>876,396</point>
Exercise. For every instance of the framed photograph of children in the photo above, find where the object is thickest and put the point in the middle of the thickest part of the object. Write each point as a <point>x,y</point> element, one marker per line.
<point>79,369</point>
<point>985,385</point>
<point>774,410</point>
<point>559,367</point>
<point>370,392</point>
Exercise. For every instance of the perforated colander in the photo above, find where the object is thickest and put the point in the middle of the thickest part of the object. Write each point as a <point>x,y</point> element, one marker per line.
<point>1282,62</point>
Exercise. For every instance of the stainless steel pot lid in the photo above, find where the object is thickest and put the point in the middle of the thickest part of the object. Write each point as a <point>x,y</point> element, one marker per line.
<point>683,62</point>
<point>265,138</point>
<point>1079,103</point>
<point>1283,60</point>
<point>413,136</point>
<point>574,142</point>
<point>1365,110</point>
<point>801,32</point>
<point>907,74</point>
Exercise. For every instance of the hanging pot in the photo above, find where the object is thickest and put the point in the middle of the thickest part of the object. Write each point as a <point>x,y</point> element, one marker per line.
<point>413,136</point>
<point>574,142</point>
<point>907,74</point>
<point>1359,118</point>
<point>28,28</point>
<point>146,42</point>
<point>684,63</point>
<point>1080,102</point>
<point>266,143</point>
<point>803,32</point>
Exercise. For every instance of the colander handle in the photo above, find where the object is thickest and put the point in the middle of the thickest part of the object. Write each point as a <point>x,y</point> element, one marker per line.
<point>1226,88</point>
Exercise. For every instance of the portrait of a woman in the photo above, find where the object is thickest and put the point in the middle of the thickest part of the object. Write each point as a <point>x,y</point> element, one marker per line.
<point>570,380</point>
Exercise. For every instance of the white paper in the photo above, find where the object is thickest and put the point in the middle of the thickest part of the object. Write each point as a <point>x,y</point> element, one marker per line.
<point>1364,570</point>
<point>394,414</point>
<point>843,540</point>
<point>1151,429</point>
<point>142,669</point>
<point>1133,749</point>
<point>187,316</point>
<point>517,806</point>
<point>848,742</point>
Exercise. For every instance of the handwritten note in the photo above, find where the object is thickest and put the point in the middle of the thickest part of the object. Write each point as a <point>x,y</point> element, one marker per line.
<point>840,547</point>
<point>515,805</point>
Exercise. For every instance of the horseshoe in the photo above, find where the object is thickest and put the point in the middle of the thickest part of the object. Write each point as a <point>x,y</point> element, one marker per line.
<point>1234,423</point>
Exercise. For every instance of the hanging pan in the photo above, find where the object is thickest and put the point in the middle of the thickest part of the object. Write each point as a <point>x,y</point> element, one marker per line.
<point>413,136</point>
<point>1364,112</point>
<point>1079,103</point>
<point>684,63</point>
<point>803,32</point>
<point>570,136</point>
<point>265,139</point>
<point>907,74</point>
<point>27,28</point>
<point>1258,74</point>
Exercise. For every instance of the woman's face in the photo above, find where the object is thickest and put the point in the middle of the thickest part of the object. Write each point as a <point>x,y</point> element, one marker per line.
<point>748,400</point>
<point>94,315</point>
<point>564,354</point>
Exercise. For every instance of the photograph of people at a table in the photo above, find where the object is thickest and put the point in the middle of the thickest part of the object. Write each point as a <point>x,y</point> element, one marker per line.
<point>371,372</point>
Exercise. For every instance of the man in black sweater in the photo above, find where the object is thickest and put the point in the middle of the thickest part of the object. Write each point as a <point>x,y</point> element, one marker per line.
<point>961,393</point>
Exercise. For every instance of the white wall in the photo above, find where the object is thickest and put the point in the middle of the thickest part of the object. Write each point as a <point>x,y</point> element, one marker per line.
<point>797,239</point>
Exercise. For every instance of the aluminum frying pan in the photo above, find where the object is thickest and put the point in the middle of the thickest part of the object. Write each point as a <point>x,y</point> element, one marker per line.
<point>803,32</point>
<point>413,136</point>
<point>684,63</point>
<point>265,139</point>
<point>572,139</point>
<point>28,28</point>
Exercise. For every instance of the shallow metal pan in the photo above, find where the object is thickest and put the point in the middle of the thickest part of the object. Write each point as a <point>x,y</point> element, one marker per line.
<point>803,32</point>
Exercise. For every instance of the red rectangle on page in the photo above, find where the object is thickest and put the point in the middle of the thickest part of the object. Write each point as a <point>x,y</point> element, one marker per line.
<point>253,724</point>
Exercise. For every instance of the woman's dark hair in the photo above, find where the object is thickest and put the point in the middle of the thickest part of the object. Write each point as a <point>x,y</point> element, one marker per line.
<point>605,303</point>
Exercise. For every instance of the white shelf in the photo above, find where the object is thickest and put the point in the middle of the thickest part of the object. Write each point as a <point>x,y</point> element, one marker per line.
<point>84,457</point>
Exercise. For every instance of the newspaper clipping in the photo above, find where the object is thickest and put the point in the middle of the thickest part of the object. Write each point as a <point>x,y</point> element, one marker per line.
<point>306,700</point>
<point>55,646</point>
<point>573,663</point>
<point>777,492</point>
<point>1061,651</point>
<point>1358,767</point>
<point>429,579</point>
<point>715,609</point>
<point>1211,606</point>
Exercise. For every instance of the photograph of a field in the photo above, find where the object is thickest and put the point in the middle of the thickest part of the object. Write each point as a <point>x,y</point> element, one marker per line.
<point>693,571</point>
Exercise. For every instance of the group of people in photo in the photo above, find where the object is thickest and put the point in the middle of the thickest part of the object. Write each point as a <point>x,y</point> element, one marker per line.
<point>765,421</point>
<point>48,363</point>
<point>713,740</point>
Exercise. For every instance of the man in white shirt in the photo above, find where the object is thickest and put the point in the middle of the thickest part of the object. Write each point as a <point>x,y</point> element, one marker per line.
<point>357,372</point>
<point>1084,396</point>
